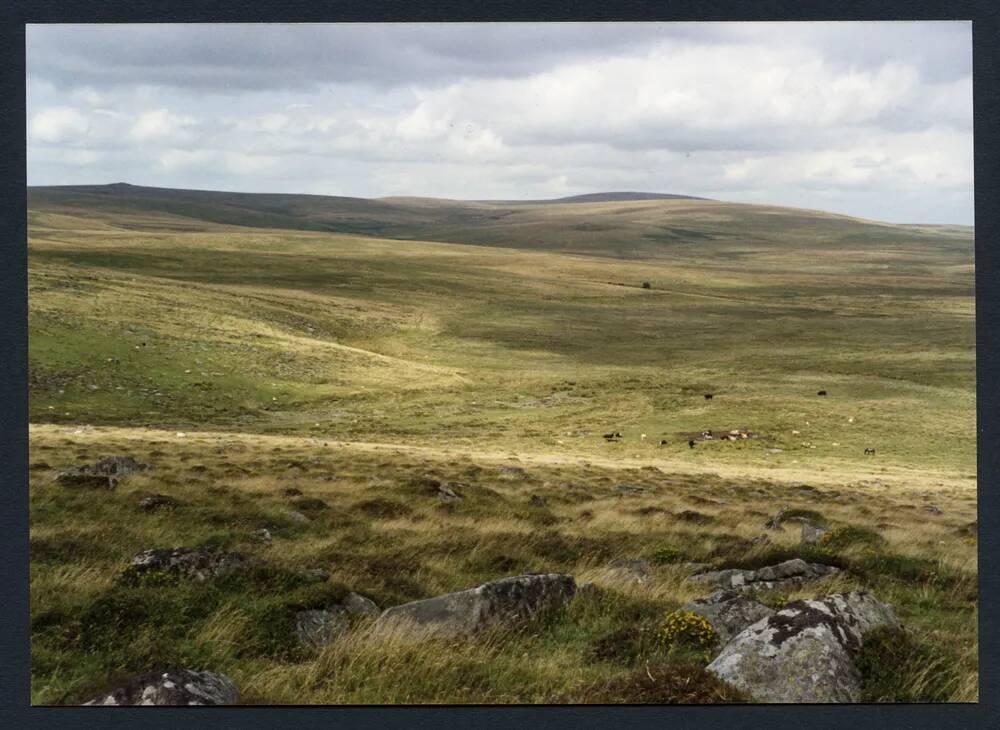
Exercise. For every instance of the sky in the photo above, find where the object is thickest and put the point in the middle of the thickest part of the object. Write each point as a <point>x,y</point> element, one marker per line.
<point>861,118</point>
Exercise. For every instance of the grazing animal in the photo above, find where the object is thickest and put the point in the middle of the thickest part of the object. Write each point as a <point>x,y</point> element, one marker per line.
<point>708,396</point>
<point>822,392</point>
<point>663,442</point>
<point>691,444</point>
<point>613,436</point>
<point>642,437</point>
<point>869,452</point>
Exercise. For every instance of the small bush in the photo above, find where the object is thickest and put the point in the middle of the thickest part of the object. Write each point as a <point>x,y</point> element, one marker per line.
<point>847,536</point>
<point>896,667</point>
<point>666,556</point>
<point>688,631</point>
<point>663,685</point>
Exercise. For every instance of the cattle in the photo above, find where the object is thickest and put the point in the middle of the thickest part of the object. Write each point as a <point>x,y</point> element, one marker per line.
<point>869,452</point>
<point>822,392</point>
<point>708,396</point>
<point>691,444</point>
<point>663,442</point>
<point>613,436</point>
<point>707,435</point>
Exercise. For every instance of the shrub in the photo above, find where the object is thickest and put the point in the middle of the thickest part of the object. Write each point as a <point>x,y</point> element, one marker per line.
<point>666,556</point>
<point>688,631</point>
<point>662,685</point>
<point>841,538</point>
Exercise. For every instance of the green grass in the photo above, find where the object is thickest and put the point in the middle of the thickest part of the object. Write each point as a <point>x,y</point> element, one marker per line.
<point>242,348</point>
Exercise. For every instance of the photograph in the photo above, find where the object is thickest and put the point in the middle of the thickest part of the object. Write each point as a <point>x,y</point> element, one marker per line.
<point>501,363</point>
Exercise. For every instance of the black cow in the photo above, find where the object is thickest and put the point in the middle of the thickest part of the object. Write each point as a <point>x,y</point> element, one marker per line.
<point>663,442</point>
<point>869,452</point>
<point>613,436</point>
<point>708,396</point>
<point>822,392</point>
<point>691,444</point>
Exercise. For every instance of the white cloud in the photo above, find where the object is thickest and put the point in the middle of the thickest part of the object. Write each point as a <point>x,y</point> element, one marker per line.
<point>159,124</point>
<point>57,124</point>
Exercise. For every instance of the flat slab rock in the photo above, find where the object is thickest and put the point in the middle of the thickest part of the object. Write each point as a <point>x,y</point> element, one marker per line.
<point>197,563</point>
<point>729,612</point>
<point>467,612</point>
<point>103,474</point>
<point>173,687</point>
<point>318,628</point>
<point>789,574</point>
<point>803,652</point>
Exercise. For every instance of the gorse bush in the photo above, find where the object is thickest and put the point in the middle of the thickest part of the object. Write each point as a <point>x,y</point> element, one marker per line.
<point>688,631</point>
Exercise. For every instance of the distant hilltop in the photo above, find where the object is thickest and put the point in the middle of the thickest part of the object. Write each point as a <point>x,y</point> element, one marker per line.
<point>609,198</point>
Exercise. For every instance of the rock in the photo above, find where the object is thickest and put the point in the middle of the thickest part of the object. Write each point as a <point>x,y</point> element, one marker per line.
<point>103,474</point>
<point>760,541</point>
<point>296,516</point>
<point>789,574</point>
<point>447,494</point>
<point>638,569</point>
<point>263,534</point>
<point>156,501</point>
<point>315,575</point>
<point>629,489</point>
<point>775,451</point>
<point>197,563</point>
<point>86,481</point>
<point>775,522</point>
<point>318,628</point>
<point>513,472</point>
<point>729,612</point>
<point>587,589</point>
<point>803,652</point>
<point>811,532</point>
<point>538,501</point>
<point>173,687</point>
<point>932,509</point>
<point>468,612</point>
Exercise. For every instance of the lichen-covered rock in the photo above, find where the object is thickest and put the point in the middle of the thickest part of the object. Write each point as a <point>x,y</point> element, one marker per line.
<point>173,687</point>
<point>318,628</point>
<point>803,653</point>
<point>811,532</point>
<point>501,601</point>
<point>789,574</point>
<point>197,563</point>
<point>103,474</point>
<point>729,612</point>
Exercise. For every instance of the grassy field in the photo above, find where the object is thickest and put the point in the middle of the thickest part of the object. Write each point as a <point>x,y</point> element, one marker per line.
<point>318,346</point>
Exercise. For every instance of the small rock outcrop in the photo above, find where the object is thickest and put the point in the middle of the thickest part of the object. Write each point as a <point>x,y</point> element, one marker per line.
<point>318,628</point>
<point>811,532</point>
<point>196,563</point>
<point>729,612</point>
<point>803,653</point>
<point>103,474</point>
<point>789,574</point>
<point>467,612</point>
<point>172,687</point>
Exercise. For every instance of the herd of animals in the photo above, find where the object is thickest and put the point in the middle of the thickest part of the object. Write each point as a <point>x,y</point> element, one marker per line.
<point>708,435</point>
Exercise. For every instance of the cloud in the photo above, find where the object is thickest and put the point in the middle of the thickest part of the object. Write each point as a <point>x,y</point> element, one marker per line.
<point>873,119</point>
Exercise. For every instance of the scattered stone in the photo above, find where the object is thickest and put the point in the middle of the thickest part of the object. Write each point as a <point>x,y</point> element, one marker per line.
<point>789,574</point>
<point>104,474</point>
<point>629,489</point>
<point>775,451</point>
<point>318,628</point>
<point>513,472</point>
<point>467,612</point>
<point>538,501</point>
<point>775,522</point>
<point>637,569</point>
<point>263,534</point>
<point>803,652</point>
<point>447,494</point>
<point>173,687</point>
<point>295,516</point>
<point>315,575</point>
<point>811,532</point>
<point>932,509</point>
<point>729,612</point>
<point>156,501</point>
<point>198,563</point>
